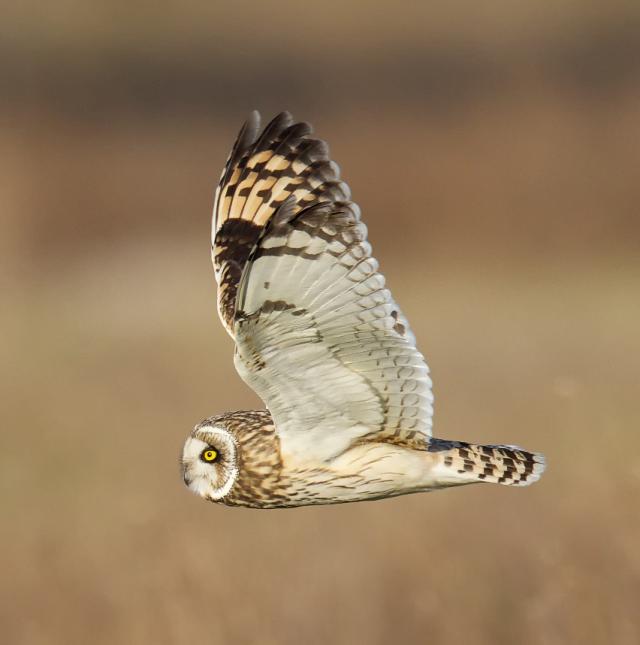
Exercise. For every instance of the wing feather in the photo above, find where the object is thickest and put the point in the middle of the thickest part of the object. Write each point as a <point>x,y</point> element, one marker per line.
<point>318,335</point>
<point>261,173</point>
<point>319,339</point>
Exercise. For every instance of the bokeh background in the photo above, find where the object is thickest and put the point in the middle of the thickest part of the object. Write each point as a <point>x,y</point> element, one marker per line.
<point>494,148</point>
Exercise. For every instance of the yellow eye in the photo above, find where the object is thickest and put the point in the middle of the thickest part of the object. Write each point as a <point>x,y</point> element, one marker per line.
<point>209,455</point>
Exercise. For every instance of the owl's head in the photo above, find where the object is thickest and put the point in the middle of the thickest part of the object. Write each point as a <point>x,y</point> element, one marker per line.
<point>210,460</point>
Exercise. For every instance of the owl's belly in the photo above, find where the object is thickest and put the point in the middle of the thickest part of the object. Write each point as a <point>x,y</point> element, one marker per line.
<point>366,471</point>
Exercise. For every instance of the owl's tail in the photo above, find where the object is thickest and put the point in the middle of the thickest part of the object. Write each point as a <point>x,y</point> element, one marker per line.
<point>459,463</point>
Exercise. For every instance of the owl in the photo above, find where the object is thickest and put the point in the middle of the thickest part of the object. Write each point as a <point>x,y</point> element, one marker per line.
<point>320,339</point>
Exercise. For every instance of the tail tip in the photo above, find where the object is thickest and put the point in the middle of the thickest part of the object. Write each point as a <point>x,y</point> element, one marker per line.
<point>536,464</point>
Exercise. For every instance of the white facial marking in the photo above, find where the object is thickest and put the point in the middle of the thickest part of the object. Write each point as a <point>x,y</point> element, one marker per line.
<point>201,477</point>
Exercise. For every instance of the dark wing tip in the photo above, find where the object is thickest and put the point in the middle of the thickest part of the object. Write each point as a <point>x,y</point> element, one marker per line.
<point>282,119</point>
<point>249,132</point>
<point>245,139</point>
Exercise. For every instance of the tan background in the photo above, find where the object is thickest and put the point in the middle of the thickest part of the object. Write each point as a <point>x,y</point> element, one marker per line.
<point>494,148</point>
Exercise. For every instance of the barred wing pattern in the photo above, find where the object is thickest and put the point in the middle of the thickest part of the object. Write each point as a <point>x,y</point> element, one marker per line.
<point>260,174</point>
<point>318,336</point>
<point>322,342</point>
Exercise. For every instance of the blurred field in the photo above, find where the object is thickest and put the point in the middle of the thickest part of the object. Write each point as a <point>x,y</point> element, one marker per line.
<point>496,159</point>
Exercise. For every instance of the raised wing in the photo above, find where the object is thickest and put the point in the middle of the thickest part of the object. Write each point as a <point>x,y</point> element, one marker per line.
<point>261,172</point>
<point>321,341</point>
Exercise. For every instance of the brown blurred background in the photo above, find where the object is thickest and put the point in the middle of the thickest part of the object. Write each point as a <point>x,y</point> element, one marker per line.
<point>494,148</point>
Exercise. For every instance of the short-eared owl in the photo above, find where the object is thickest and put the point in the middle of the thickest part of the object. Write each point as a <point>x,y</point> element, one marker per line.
<point>323,343</point>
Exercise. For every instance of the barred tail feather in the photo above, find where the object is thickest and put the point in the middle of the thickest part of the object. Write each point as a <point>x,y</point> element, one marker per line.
<point>459,463</point>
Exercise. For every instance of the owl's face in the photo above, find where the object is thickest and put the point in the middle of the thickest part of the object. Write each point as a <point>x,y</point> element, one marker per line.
<point>210,461</point>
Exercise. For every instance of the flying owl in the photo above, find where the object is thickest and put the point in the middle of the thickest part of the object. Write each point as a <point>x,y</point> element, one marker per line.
<point>320,339</point>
